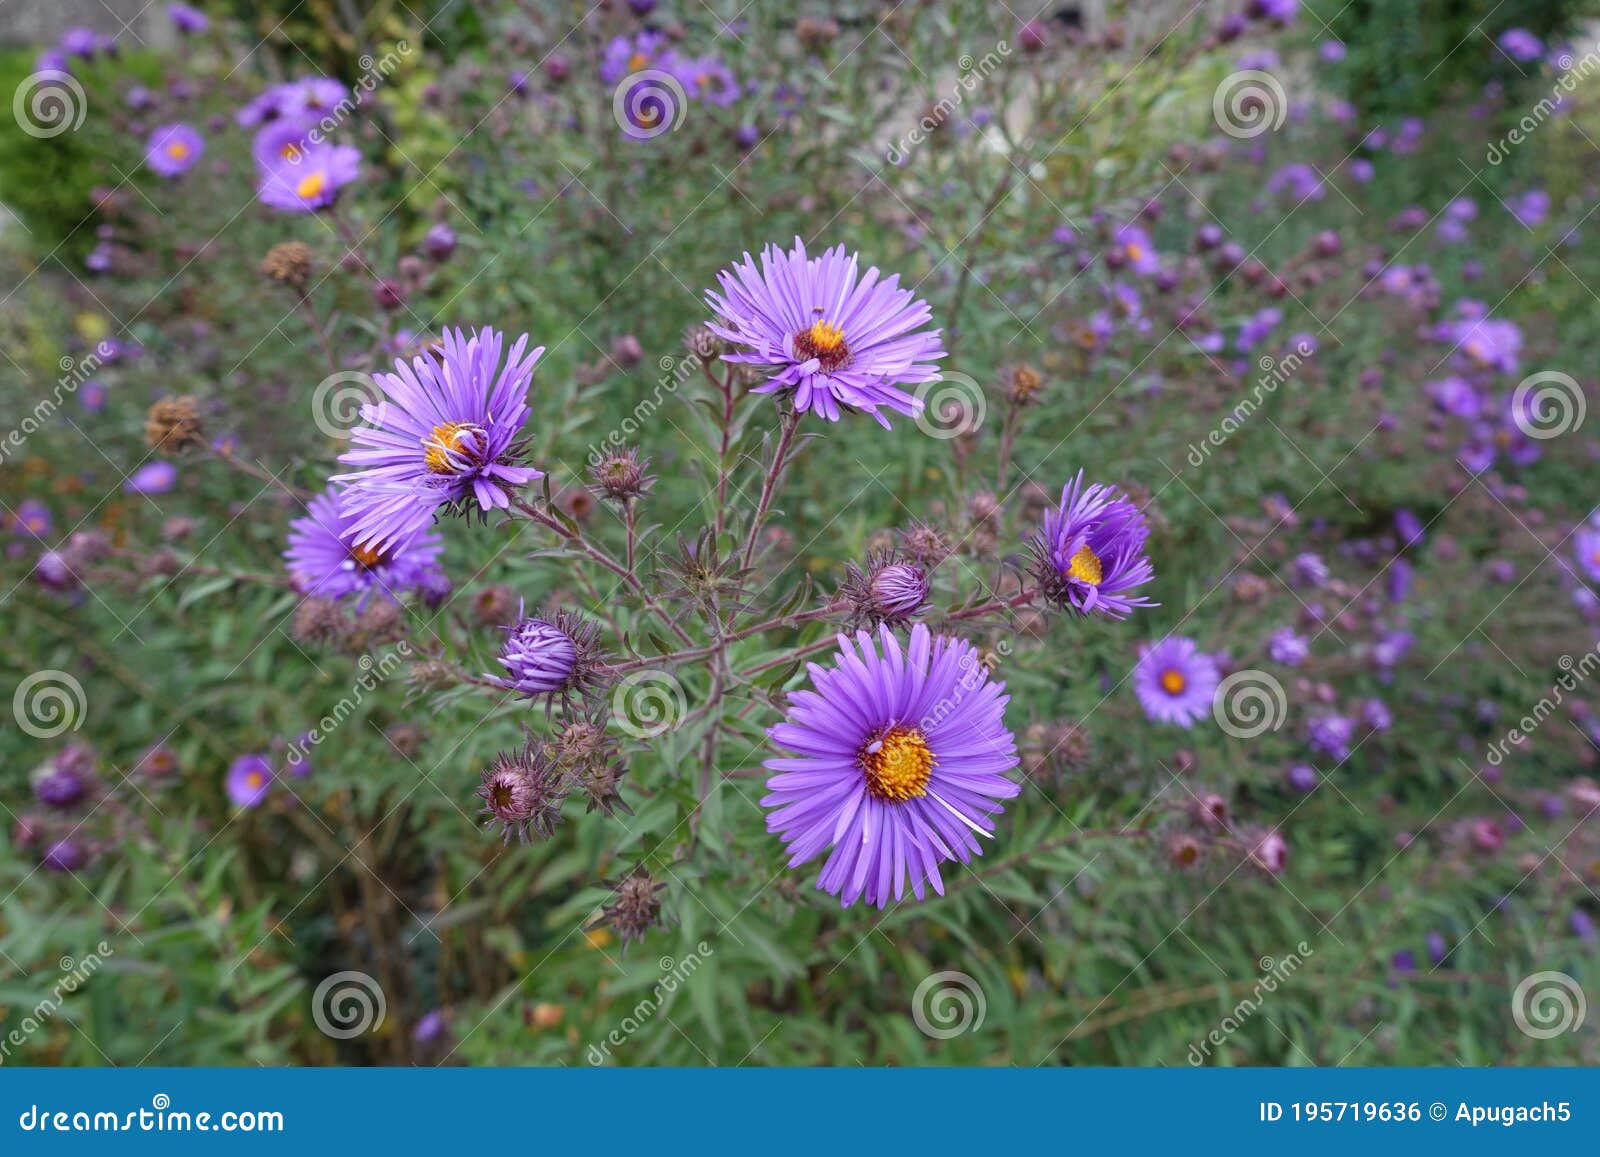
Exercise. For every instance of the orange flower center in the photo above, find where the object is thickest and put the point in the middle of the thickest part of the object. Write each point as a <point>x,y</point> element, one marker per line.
<point>177,150</point>
<point>367,556</point>
<point>637,61</point>
<point>311,185</point>
<point>898,765</point>
<point>445,448</point>
<point>1173,682</point>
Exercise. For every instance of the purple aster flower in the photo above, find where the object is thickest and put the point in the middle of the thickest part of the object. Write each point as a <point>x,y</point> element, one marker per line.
<point>1375,714</point>
<point>439,242</point>
<point>1331,735</point>
<point>281,141</point>
<point>888,589</point>
<point>1408,526</point>
<point>1456,397</point>
<point>1332,51</point>
<point>312,97</point>
<point>1438,948</point>
<point>1521,45</point>
<point>172,149</point>
<point>1398,580</point>
<point>623,57</point>
<point>61,787</point>
<point>1253,331</point>
<point>189,21</point>
<point>1361,170</point>
<point>1583,926</point>
<point>900,759</point>
<point>259,109</point>
<point>1392,647</point>
<point>81,42</point>
<point>1531,208</point>
<point>1301,777</point>
<point>444,435</point>
<point>1586,548</point>
<point>324,561</point>
<point>32,518</point>
<point>1132,244</point>
<point>64,856</point>
<point>1175,681</point>
<point>1287,647</point>
<point>710,80</point>
<point>249,781</point>
<point>1302,182</point>
<point>1089,554</point>
<point>152,478</point>
<point>311,180</point>
<point>836,337</point>
<point>1405,961</point>
<point>1309,570</point>
<point>430,1028</point>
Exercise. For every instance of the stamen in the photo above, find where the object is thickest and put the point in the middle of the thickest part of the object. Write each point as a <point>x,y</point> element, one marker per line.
<point>1085,566</point>
<point>898,765</point>
<point>453,448</point>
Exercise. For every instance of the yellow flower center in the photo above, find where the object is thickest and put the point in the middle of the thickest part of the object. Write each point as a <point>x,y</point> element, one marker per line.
<point>1135,252</point>
<point>290,152</point>
<point>254,780</point>
<point>637,61</point>
<point>1173,682</point>
<point>823,342</point>
<point>446,442</point>
<point>367,556</point>
<point>898,765</point>
<point>1085,566</point>
<point>177,150</point>
<point>311,185</point>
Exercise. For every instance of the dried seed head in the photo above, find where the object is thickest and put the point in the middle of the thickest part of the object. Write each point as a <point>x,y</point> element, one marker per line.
<point>523,792</point>
<point>288,264</point>
<point>173,424</point>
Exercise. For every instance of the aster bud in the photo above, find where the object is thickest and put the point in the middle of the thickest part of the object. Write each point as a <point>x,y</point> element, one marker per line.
<point>621,475</point>
<point>1210,810</point>
<point>702,343</point>
<point>887,590</point>
<point>556,654</point>
<point>1184,851</point>
<point>815,33</point>
<point>635,906</point>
